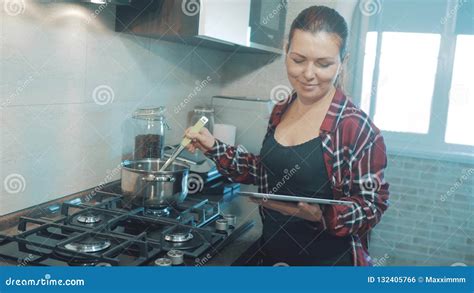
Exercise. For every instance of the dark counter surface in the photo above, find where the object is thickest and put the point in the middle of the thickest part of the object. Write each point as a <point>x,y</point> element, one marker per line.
<point>245,211</point>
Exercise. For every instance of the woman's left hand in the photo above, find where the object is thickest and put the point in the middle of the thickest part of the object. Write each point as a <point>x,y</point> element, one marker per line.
<point>310,212</point>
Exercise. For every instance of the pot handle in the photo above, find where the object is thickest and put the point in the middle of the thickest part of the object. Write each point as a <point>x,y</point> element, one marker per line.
<point>161,178</point>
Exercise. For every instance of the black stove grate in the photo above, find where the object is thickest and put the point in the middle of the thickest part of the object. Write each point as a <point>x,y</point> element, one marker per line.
<point>123,235</point>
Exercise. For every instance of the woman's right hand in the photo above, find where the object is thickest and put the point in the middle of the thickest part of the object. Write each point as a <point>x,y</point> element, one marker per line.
<point>202,140</point>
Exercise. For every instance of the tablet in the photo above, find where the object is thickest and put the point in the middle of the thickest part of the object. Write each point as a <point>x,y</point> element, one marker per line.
<point>295,198</point>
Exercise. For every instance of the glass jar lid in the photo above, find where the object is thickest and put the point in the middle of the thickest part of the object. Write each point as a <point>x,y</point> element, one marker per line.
<point>150,113</point>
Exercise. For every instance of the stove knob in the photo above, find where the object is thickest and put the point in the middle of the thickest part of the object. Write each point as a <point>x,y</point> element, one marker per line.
<point>222,225</point>
<point>163,262</point>
<point>176,257</point>
<point>231,219</point>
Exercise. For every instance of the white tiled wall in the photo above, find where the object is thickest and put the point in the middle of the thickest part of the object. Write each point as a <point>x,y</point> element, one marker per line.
<point>52,57</point>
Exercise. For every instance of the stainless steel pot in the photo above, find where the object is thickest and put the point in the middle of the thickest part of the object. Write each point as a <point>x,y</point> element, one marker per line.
<point>146,186</point>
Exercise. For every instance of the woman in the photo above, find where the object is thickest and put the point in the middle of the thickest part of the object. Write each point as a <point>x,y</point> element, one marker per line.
<point>332,149</point>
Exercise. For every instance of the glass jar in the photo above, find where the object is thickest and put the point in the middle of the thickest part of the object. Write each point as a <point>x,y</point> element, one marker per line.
<point>208,113</point>
<point>144,134</point>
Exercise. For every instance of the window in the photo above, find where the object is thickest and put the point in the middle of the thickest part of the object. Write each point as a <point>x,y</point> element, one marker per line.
<point>416,81</point>
<point>406,81</point>
<point>368,70</point>
<point>461,94</point>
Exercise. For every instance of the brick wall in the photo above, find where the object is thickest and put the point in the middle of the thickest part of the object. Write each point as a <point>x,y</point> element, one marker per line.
<point>430,220</point>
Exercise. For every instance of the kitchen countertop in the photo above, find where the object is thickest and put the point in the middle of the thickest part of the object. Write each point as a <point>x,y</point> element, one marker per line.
<point>241,207</point>
<point>245,211</point>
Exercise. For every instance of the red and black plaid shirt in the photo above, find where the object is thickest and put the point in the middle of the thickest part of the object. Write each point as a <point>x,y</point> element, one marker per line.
<point>355,159</point>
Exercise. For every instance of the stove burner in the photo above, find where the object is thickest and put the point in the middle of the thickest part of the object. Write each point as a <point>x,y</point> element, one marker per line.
<point>178,237</point>
<point>183,238</point>
<point>89,219</point>
<point>163,212</point>
<point>88,246</point>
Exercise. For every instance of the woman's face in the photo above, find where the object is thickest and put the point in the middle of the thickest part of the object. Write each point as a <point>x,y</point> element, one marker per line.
<point>313,63</point>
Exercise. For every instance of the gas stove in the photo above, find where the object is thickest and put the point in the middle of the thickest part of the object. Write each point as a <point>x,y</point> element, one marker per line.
<point>104,230</point>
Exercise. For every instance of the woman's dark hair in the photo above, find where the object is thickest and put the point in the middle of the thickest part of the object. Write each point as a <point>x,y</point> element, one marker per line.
<point>316,19</point>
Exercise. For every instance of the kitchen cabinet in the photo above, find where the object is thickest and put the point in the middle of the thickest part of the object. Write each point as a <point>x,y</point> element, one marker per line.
<point>244,25</point>
<point>225,21</point>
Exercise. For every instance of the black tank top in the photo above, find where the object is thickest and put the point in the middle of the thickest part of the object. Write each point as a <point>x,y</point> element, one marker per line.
<point>297,170</point>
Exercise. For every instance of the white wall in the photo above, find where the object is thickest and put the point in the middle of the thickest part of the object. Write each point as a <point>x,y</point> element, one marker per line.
<point>52,57</point>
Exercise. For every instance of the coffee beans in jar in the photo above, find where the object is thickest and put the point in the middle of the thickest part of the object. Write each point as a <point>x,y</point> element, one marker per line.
<point>148,146</point>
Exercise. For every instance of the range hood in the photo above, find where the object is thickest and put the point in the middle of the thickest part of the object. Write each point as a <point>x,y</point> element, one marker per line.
<point>219,24</point>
